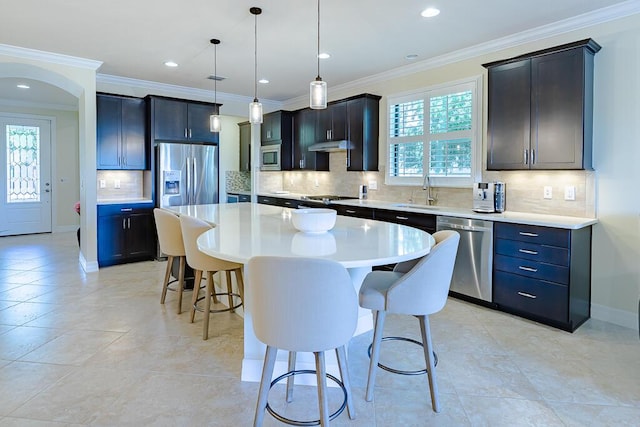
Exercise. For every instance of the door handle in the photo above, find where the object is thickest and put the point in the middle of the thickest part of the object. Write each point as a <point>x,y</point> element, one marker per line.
<point>527,251</point>
<point>195,179</point>
<point>524,294</point>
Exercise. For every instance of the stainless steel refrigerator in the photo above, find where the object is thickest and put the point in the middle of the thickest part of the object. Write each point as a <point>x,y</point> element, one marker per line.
<point>187,174</point>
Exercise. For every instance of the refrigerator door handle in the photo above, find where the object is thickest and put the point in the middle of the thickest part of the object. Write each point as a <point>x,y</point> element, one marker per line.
<point>188,181</point>
<point>195,180</point>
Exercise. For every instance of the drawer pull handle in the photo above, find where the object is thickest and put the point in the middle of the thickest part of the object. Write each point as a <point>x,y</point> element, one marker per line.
<point>126,209</point>
<point>533,270</point>
<point>287,203</point>
<point>404,218</point>
<point>527,251</point>
<point>523,233</point>
<point>350,211</point>
<point>524,294</point>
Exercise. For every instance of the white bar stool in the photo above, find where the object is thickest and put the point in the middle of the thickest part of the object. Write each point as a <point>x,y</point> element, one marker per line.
<point>302,304</point>
<point>192,228</point>
<point>417,288</point>
<point>171,244</point>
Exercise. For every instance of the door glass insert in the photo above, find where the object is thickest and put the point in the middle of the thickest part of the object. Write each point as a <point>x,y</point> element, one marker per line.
<point>23,164</point>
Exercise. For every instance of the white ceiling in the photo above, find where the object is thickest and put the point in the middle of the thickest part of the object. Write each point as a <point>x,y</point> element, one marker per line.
<point>133,38</point>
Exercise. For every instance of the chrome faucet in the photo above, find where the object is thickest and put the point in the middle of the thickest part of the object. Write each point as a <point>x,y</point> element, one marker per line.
<point>426,185</point>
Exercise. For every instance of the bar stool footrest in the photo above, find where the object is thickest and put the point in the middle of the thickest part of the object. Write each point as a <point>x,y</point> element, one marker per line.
<point>289,421</point>
<point>200,309</point>
<point>398,371</point>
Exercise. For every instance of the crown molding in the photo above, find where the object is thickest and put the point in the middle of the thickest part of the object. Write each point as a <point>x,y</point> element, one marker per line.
<point>155,88</point>
<point>54,58</point>
<point>600,16</point>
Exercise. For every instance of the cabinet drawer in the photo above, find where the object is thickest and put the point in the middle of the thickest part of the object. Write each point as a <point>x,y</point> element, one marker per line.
<point>533,234</point>
<point>424,222</point>
<point>117,209</point>
<point>535,270</point>
<point>533,252</point>
<point>357,212</point>
<point>537,297</point>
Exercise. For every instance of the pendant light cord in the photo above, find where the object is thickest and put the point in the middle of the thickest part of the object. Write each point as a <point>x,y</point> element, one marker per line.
<point>215,75</point>
<point>318,58</point>
<point>255,59</point>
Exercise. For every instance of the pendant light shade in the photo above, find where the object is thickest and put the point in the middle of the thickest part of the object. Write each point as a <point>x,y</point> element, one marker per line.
<point>255,108</point>
<point>215,124</point>
<point>318,88</point>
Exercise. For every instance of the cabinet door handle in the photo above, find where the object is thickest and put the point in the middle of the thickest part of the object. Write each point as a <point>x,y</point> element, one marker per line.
<point>533,270</point>
<point>533,156</point>
<point>524,233</point>
<point>185,132</point>
<point>124,223</point>
<point>126,209</point>
<point>404,218</point>
<point>524,294</point>
<point>129,222</point>
<point>527,251</point>
<point>189,133</point>
<point>526,156</point>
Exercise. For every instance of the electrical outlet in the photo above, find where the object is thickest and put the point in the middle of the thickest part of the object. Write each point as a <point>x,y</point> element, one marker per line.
<point>116,183</point>
<point>373,185</point>
<point>569,192</point>
<point>548,192</point>
<point>103,183</point>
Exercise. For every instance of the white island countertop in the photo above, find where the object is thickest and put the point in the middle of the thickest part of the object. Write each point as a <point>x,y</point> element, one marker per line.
<point>244,230</point>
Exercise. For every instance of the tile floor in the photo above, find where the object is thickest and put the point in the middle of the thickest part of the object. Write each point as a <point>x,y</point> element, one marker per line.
<point>98,349</point>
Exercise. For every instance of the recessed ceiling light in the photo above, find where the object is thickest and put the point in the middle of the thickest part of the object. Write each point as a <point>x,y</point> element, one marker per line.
<point>171,64</point>
<point>411,57</point>
<point>23,86</point>
<point>324,55</point>
<point>430,12</point>
<point>263,81</point>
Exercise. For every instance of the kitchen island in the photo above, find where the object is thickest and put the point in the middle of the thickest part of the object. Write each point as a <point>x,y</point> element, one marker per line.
<point>245,230</point>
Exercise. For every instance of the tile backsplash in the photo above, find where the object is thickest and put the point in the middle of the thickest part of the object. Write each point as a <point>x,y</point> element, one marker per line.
<point>135,184</point>
<point>237,181</point>
<point>524,188</point>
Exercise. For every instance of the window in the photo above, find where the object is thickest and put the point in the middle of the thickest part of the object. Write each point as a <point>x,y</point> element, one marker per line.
<point>23,163</point>
<point>435,130</point>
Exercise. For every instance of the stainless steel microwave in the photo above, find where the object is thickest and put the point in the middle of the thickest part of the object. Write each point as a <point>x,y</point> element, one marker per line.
<point>270,157</point>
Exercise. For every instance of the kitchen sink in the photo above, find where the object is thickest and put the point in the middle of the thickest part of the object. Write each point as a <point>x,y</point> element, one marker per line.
<point>416,206</point>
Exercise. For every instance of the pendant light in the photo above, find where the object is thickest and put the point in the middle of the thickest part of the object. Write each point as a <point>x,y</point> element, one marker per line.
<point>255,108</point>
<point>215,124</point>
<point>318,88</point>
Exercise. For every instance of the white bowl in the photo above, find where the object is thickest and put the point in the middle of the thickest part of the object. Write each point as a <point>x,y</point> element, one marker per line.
<point>313,220</point>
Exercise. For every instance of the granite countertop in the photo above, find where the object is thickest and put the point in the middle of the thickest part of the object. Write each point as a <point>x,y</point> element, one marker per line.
<point>558,221</point>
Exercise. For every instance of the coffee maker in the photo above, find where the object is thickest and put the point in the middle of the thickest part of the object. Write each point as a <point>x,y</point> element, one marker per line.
<point>489,197</point>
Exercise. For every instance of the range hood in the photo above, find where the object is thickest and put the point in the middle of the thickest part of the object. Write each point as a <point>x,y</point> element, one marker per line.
<point>329,146</point>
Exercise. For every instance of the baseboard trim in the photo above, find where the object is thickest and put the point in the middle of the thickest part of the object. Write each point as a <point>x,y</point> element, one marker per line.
<point>628,319</point>
<point>88,267</point>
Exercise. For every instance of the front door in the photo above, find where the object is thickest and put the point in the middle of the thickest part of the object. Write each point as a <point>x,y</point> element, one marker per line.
<point>25,176</point>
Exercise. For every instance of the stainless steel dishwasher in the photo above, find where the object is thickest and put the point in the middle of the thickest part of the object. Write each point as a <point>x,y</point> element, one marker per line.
<point>474,263</point>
